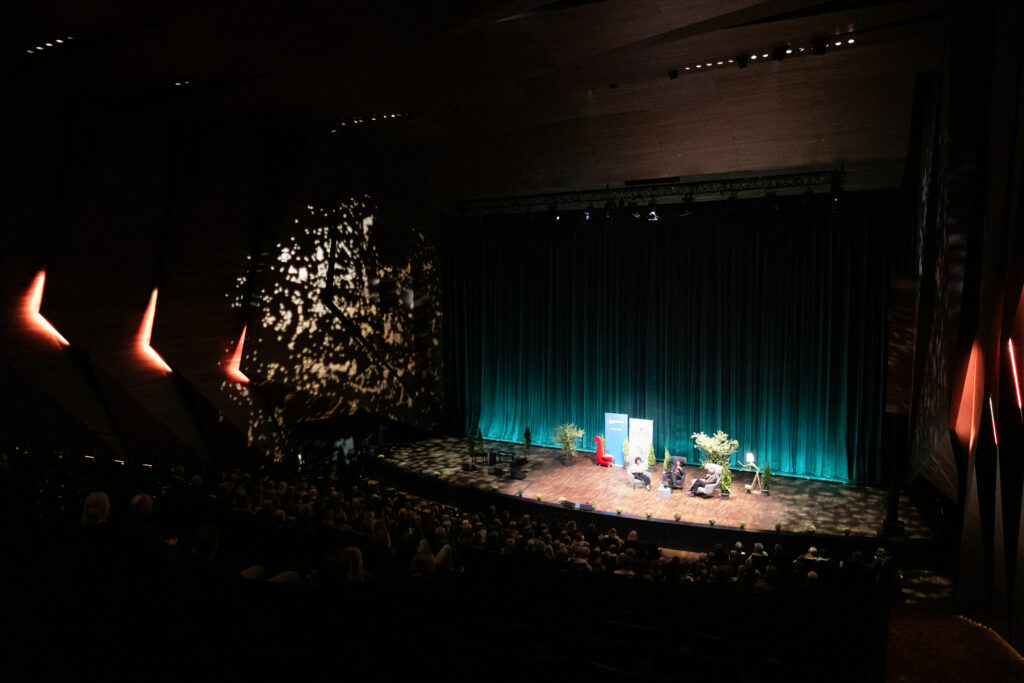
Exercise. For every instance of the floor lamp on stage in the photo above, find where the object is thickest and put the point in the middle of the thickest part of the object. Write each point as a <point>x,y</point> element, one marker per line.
<point>751,466</point>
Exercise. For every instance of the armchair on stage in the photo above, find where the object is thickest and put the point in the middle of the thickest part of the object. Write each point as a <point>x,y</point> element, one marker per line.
<point>714,473</point>
<point>601,457</point>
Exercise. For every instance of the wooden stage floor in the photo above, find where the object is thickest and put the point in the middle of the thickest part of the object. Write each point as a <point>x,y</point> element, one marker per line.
<point>794,503</point>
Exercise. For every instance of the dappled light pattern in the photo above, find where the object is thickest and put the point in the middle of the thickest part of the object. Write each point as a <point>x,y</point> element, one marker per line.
<point>342,330</point>
<point>266,430</point>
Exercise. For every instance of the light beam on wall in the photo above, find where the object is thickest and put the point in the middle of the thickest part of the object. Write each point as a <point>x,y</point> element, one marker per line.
<point>30,309</point>
<point>1016,377</point>
<point>992,413</point>
<point>234,370</point>
<point>146,333</point>
<point>968,419</point>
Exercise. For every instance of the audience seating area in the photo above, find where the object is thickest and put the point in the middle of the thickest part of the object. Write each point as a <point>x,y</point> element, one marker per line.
<point>234,576</point>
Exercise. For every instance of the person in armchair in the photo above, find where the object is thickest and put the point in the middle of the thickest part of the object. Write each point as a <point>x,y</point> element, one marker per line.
<point>637,469</point>
<point>675,475</point>
<point>711,477</point>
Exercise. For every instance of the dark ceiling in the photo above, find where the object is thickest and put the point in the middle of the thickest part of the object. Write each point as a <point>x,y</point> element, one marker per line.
<point>496,97</point>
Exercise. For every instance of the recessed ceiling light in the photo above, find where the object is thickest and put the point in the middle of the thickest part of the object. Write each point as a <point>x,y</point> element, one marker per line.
<point>720,62</point>
<point>58,41</point>
<point>39,47</point>
<point>31,52</point>
<point>789,51</point>
<point>49,44</point>
<point>838,43</point>
<point>753,56</point>
<point>765,55</point>
<point>850,41</point>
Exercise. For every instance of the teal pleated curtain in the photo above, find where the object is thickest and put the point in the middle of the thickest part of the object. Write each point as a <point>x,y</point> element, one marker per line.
<point>765,321</point>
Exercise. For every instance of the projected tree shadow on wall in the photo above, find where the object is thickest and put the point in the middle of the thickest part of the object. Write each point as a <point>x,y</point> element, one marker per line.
<point>338,329</point>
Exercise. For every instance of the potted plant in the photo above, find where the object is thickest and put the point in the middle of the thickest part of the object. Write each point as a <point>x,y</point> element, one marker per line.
<point>625,453</point>
<point>678,516</point>
<point>766,480</point>
<point>743,525</point>
<point>667,463</point>
<point>618,511</point>
<point>718,449</point>
<point>651,459</point>
<point>566,436</point>
<point>649,513</point>
<point>726,483</point>
<point>470,444</point>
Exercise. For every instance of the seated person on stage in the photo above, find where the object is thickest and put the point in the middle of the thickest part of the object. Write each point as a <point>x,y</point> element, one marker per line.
<point>675,475</point>
<point>638,471</point>
<point>711,477</point>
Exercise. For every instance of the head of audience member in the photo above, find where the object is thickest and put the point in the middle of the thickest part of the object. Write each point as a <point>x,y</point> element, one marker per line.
<point>142,506</point>
<point>96,508</point>
<point>352,565</point>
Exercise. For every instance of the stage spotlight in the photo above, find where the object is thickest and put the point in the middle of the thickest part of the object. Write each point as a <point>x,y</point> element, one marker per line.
<point>687,208</point>
<point>741,61</point>
<point>609,211</point>
<point>819,45</point>
<point>634,211</point>
<point>652,211</point>
<point>836,189</point>
<point>778,53</point>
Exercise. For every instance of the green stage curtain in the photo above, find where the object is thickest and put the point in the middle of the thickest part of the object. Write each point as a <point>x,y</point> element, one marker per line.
<point>763,319</point>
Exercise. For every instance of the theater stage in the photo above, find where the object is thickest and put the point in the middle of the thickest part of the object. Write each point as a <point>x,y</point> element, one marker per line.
<point>794,503</point>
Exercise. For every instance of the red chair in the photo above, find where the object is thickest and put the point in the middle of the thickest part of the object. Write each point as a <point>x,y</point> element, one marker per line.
<point>600,456</point>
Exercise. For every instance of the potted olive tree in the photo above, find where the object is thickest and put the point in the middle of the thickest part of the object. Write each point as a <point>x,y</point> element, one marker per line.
<point>718,449</point>
<point>566,436</point>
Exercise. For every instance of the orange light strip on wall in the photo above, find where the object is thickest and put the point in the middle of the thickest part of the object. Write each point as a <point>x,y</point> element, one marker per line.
<point>30,310</point>
<point>235,364</point>
<point>1016,377</point>
<point>146,333</point>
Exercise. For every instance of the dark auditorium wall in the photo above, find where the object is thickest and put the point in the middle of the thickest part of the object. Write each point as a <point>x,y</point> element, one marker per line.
<point>967,431</point>
<point>129,198</point>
